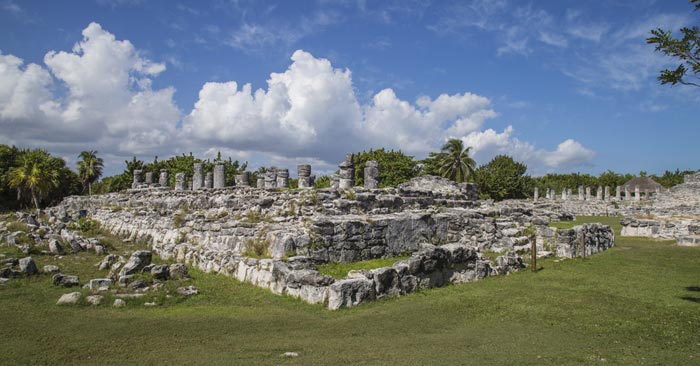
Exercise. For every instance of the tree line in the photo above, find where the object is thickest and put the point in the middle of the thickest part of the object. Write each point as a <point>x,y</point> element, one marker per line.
<point>34,178</point>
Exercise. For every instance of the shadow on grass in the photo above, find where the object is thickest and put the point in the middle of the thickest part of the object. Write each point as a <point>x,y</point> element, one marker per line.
<point>691,298</point>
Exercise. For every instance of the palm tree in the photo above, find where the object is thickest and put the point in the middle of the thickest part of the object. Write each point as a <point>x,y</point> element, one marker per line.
<point>35,174</point>
<point>89,168</point>
<point>454,161</point>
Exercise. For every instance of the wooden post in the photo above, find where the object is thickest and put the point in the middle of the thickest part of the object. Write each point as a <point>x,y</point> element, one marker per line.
<point>533,252</point>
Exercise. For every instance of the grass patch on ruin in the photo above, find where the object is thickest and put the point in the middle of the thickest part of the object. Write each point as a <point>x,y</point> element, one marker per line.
<point>637,303</point>
<point>340,270</point>
<point>613,221</point>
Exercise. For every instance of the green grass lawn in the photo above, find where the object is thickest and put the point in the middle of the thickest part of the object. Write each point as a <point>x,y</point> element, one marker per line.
<point>636,304</point>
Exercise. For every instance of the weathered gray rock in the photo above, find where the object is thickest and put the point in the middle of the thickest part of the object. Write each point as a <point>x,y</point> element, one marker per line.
<point>160,272</point>
<point>27,266</point>
<point>49,268</point>
<point>119,303</point>
<point>136,262</point>
<point>187,291</point>
<point>107,262</point>
<point>386,282</point>
<point>64,280</point>
<point>351,292</point>
<point>69,299</point>
<point>100,284</point>
<point>94,299</point>
<point>177,271</point>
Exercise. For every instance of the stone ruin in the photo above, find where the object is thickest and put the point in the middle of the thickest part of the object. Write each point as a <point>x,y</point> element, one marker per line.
<point>439,225</point>
<point>670,214</point>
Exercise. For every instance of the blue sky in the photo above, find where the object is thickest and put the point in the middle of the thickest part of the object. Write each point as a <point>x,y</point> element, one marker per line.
<point>560,85</point>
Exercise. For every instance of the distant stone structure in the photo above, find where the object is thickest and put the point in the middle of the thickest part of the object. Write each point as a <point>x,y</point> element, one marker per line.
<point>335,181</point>
<point>242,179</point>
<point>137,178</point>
<point>347,173</point>
<point>260,182</point>
<point>198,177</point>
<point>282,178</point>
<point>209,180</point>
<point>149,178</point>
<point>304,175</point>
<point>371,174</point>
<point>219,175</point>
<point>163,179</point>
<point>271,178</point>
<point>180,182</point>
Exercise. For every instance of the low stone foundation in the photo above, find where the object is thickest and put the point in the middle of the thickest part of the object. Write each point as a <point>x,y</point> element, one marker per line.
<point>683,229</point>
<point>431,266</point>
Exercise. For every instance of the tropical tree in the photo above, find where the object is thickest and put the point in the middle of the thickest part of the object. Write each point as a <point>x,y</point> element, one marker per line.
<point>89,168</point>
<point>503,178</point>
<point>34,174</point>
<point>395,167</point>
<point>685,49</point>
<point>454,161</point>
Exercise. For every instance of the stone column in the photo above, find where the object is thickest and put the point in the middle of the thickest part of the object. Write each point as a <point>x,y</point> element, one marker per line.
<point>580,193</point>
<point>627,194</point>
<point>219,175</point>
<point>304,175</point>
<point>636,193</point>
<point>163,178</point>
<point>198,177</point>
<point>149,178</point>
<point>271,178</point>
<point>536,195</point>
<point>180,182</point>
<point>137,179</point>
<point>335,181</point>
<point>618,196</point>
<point>243,179</point>
<point>283,178</point>
<point>371,174</point>
<point>209,180</point>
<point>347,173</point>
<point>588,193</point>
<point>564,197</point>
<point>569,192</point>
<point>260,183</point>
<point>599,193</point>
<point>607,193</point>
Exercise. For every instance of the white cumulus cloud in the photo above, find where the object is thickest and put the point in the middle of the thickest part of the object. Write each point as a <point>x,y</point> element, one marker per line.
<point>108,104</point>
<point>99,95</point>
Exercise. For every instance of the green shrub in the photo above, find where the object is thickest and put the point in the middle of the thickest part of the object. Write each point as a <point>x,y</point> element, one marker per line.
<point>86,226</point>
<point>17,226</point>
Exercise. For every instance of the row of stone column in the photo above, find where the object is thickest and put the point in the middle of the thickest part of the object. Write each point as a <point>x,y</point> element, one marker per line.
<point>148,179</point>
<point>345,179</point>
<point>602,194</point>
<point>273,178</point>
